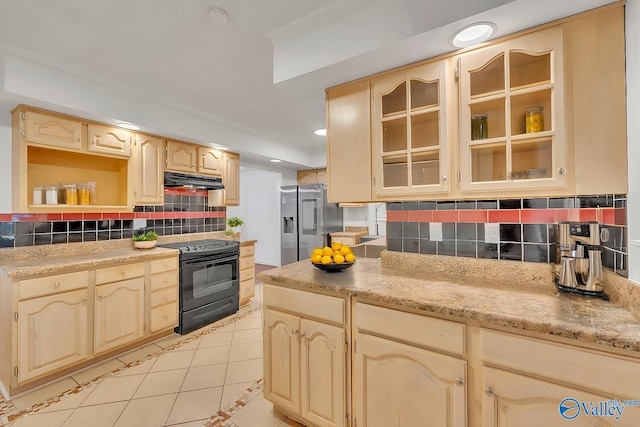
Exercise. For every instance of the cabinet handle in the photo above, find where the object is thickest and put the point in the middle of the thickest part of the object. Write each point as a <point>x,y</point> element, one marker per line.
<point>78,139</point>
<point>459,382</point>
<point>164,265</point>
<point>24,134</point>
<point>562,171</point>
<point>294,331</point>
<point>99,296</point>
<point>93,141</point>
<point>444,177</point>
<point>57,285</point>
<point>84,300</point>
<point>302,334</point>
<point>123,273</point>
<point>165,316</point>
<point>488,391</point>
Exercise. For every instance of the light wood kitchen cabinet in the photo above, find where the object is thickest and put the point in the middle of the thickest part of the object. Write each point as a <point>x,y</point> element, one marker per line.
<point>348,110</point>
<point>49,153</point>
<point>397,382</point>
<point>109,140</point>
<point>119,306</point>
<point>148,156</point>
<point>498,85</point>
<point>231,178</point>
<point>305,368</point>
<point>209,161</point>
<point>247,272</point>
<point>181,157</point>
<point>543,374</point>
<point>410,131</point>
<point>163,294</point>
<point>52,333</point>
<point>52,129</point>
<point>312,176</point>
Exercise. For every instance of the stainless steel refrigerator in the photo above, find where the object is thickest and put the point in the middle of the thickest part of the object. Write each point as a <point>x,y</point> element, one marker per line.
<point>306,220</point>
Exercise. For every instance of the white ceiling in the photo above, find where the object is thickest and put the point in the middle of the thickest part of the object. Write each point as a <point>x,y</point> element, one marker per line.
<point>171,54</point>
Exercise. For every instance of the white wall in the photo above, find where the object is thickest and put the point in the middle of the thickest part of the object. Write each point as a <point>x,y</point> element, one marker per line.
<point>5,167</point>
<point>632,16</point>
<point>260,210</point>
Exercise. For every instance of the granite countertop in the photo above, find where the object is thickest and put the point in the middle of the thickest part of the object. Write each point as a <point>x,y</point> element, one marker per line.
<point>491,292</point>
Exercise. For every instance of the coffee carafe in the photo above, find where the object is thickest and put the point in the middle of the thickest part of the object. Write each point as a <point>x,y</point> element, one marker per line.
<point>580,258</point>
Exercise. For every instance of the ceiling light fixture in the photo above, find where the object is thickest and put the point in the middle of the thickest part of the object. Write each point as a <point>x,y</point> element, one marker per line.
<point>128,126</point>
<point>218,16</point>
<point>276,160</point>
<point>321,132</point>
<point>473,34</point>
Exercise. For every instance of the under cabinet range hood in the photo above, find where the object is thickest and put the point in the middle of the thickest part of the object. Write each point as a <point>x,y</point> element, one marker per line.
<point>175,179</point>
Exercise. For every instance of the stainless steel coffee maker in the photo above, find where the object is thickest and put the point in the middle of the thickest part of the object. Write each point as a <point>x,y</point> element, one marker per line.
<point>580,258</point>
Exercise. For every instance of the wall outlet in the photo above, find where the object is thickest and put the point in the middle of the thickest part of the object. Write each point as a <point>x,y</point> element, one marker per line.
<point>492,232</point>
<point>435,231</point>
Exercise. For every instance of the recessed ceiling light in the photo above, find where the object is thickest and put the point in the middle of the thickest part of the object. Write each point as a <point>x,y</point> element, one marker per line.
<point>218,16</point>
<point>128,126</point>
<point>321,132</point>
<point>276,160</point>
<point>473,34</point>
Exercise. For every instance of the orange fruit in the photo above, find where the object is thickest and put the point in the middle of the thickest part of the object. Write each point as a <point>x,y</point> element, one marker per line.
<point>326,260</point>
<point>316,259</point>
<point>327,251</point>
<point>338,259</point>
<point>317,251</point>
<point>336,246</point>
<point>350,257</point>
<point>344,250</point>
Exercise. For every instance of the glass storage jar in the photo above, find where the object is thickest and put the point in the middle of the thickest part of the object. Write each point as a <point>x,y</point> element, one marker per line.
<point>70,193</point>
<point>51,194</point>
<point>534,121</point>
<point>479,129</point>
<point>37,195</point>
<point>86,193</point>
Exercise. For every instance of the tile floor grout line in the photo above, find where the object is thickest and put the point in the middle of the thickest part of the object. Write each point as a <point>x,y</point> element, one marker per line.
<point>9,418</point>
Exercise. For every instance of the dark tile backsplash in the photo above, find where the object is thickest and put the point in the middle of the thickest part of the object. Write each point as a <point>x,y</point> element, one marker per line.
<point>180,207</point>
<point>528,227</point>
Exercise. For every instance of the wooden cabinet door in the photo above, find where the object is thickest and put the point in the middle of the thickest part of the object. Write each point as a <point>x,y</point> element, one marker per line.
<point>515,400</point>
<point>149,187</point>
<point>231,179</point>
<point>348,174</point>
<point>209,161</point>
<point>52,333</point>
<point>51,129</point>
<point>397,385</point>
<point>282,359</point>
<point>119,314</point>
<point>323,373</point>
<point>410,131</point>
<point>498,84</point>
<point>181,157</point>
<point>109,140</point>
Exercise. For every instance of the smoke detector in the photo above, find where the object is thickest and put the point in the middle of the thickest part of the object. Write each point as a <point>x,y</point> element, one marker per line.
<point>218,16</point>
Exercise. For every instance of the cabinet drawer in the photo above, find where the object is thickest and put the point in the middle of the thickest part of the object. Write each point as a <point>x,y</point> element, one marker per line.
<point>413,328</point>
<point>586,368</point>
<point>119,272</point>
<point>164,264</point>
<point>164,280</point>
<point>31,288</point>
<point>246,251</point>
<point>163,297</point>
<point>164,317</point>
<point>306,304</point>
<point>247,274</point>
<point>247,288</point>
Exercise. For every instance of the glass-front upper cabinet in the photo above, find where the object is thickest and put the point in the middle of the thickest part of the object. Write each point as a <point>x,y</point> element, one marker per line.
<point>409,131</point>
<point>512,128</point>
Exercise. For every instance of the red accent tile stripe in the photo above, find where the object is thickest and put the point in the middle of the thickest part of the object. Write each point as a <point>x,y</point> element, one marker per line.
<point>621,216</point>
<point>504,215</point>
<point>397,216</point>
<point>75,216</point>
<point>472,216</point>
<point>445,216</point>
<point>90,216</point>
<point>419,216</point>
<point>6,217</point>
<point>588,215</point>
<point>110,215</point>
<point>567,214</point>
<point>539,216</point>
<point>127,215</point>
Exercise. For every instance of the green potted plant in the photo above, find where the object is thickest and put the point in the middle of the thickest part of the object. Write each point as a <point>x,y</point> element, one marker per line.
<point>233,222</point>
<point>146,240</point>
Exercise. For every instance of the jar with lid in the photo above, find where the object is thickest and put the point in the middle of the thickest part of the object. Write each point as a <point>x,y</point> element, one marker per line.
<point>70,193</point>
<point>534,121</point>
<point>37,194</point>
<point>86,193</point>
<point>479,128</point>
<point>51,194</point>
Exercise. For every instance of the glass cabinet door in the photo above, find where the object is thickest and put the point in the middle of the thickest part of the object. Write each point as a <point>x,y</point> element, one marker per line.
<point>410,153</point>
<point>511,130</point>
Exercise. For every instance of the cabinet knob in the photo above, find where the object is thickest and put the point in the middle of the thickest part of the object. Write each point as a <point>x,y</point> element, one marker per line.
<point>444,177</point>
<point>459,382</point>
<point>100,296</point>
<point>302,334</point>
<point>84,300</point>
<point>57,285</point>
<point>488,391</point>
<point>165,316</point>
<point>93,141</point>
<point>164,266</point>
<point>123,273</point>
<point>78,139</point>
<point>294,331</point>
<point>24,134</point>
<point>562,171</point>
<point>166,282</point>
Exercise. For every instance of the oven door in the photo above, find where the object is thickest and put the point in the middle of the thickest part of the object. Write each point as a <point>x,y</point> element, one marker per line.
<point>206,278</point>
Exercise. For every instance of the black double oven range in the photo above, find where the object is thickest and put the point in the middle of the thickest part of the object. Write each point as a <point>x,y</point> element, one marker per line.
<point>209,281</point>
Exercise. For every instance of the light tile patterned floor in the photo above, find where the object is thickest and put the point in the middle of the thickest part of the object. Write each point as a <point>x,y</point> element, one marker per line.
<point>211,377</point>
